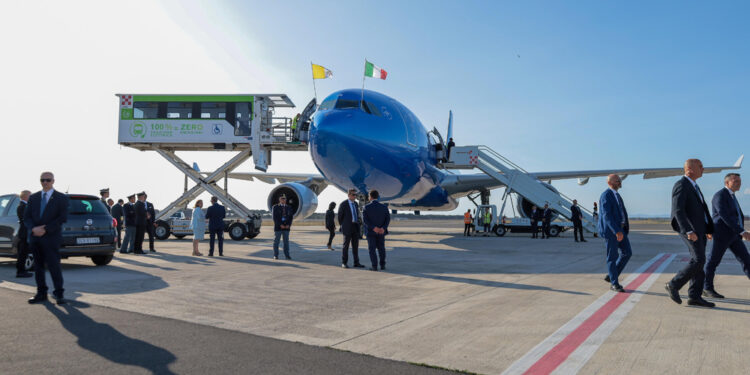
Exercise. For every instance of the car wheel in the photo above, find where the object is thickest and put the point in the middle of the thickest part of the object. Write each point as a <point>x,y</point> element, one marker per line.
<point>237,231</point>
<point>500,230</point>
<point>252,235</point>
<point>554,231</point>
<point>29,263</point>
<point>101,260</point>
<point>162,230</point>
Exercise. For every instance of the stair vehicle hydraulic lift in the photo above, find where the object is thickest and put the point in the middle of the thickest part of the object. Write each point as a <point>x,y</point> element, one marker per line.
<point>518,181</point>
<point>241,123</point>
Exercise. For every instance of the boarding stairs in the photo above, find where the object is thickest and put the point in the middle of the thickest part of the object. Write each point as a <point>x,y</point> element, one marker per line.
<point>516,179</point>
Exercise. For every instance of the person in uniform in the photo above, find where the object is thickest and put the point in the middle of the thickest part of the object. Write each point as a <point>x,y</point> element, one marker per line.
<point>150,223</point>
<point>140,222</point>
<point>376,218</point>
<point>105,195</point>
<point>467,222</point>
<point>128,213</point>
<point>44,215</point>
<point>487,221</point>
<point>117,213</point>
<point>283,215</point>
<point>534,222</point>
<point>23,237</point>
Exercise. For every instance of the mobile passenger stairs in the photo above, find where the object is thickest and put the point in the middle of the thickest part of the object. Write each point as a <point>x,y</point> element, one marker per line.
<point>516,180</point>
<point>243,123</point>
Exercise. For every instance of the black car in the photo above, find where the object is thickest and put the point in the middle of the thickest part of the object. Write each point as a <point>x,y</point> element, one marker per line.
<point>89,231</point>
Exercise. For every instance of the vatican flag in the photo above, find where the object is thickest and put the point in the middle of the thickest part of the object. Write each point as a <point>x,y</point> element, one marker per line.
<point>320,72</point>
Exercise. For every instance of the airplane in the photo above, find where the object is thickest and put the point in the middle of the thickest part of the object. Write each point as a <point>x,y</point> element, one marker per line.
<point>365,140</point>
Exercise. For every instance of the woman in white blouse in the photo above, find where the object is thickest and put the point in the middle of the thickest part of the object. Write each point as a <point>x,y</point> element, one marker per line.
<point>198,225</point>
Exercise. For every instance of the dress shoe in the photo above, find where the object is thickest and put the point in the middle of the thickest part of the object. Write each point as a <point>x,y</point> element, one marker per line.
<point>673,293</point>
<point>210,254</point>
<point>38,298</point>
<point>275,257</point>
<point>123,252</point>
<point>24,274</point>
<point>607,279</point>
<point>712,294</point>
<point>617,288</point>
<point>382,268</point>
<point>221,254</point>
<point>700,302</point>
<point>139,252</point>
<point>584,240</point>
<point>373,268</point>
<point>359,266</point>
<point>60,300</point>
<point>343,265</point>
<point>288,258</point>
<point>152,250</point>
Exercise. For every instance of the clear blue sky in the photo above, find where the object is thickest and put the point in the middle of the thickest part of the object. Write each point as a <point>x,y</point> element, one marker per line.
<point>551,85</point>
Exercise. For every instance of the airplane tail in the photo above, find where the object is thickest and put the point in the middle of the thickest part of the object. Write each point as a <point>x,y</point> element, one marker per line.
<point>450,125</point>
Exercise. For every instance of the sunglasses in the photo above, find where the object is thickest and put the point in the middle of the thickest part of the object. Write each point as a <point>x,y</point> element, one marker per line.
<point>45,179</point>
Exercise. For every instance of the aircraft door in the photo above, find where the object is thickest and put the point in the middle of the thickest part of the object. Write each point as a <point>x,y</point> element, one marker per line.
<point>409,122</point>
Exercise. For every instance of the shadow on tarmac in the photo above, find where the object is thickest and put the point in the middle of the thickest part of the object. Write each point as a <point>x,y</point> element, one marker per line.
<point>109,343</point>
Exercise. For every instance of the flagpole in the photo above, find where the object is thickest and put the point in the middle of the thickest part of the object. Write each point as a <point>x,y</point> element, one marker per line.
<point>364,75</point>
<point>315,89</point>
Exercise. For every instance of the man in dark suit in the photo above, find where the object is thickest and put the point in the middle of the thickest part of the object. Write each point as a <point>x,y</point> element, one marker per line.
<point>614,227</point>
<point>349,222</point>
<point>215,215</point>
<point>534,218</point>
<point>23,237</point>
<point>577,218</point>
<point>376,218</point>
<point>128,213</point>
<point>45,214</point>
<point>690,218</point>
<point>451,144</point>
<point>105,195</point>
<point>150,223</point>
<point>729,231</point>
<point>140,222</point>
<point>283,215</point>
<point>546,219</point>
<point>117,215</point>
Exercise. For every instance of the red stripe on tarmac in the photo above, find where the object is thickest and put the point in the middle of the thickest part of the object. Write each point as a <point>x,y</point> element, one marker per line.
<point>557,355</point>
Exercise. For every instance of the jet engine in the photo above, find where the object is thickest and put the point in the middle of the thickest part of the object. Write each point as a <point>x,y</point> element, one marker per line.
<point>524,206</point>
<point>301,198</point>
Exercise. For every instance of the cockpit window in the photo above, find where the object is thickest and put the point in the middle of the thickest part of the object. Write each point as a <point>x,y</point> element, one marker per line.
<point>327,104</point>
<point>371,109</point>
<point>346,103</point>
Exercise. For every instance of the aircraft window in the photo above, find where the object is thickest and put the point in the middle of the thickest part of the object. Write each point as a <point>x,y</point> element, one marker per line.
<point>346,103</point>
<point>373,109</point>
<point>179,110</point>
<point>213,110</point>
<point>327,104</point>
<point>145,109</point>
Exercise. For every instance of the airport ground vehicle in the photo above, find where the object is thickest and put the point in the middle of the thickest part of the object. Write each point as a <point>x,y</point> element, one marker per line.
<point>523,225</point>
<point>178,224</point>
<point>89,231</point>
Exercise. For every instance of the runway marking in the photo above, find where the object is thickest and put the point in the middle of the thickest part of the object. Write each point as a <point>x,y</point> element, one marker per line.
<point>568,349</point>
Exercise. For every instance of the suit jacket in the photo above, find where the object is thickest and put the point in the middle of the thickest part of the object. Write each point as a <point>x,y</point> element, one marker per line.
<point>150,210</point>
<point>345,216</point>
<point>611,217</point>
<point>536,216</point>
<point>727,221</point>
<point>109,209</point>
<point>129,214</point>
<point>55,214</point>
<point>117,213</point>
<point>215,215</point>
<point>575,212</point>
<point>330,220</point>
<point>547,215</point>
<point>140,214</point>
<point>22,232</point>
<point>689,213</point>
<point>282,215</point>
<point>376,214</point>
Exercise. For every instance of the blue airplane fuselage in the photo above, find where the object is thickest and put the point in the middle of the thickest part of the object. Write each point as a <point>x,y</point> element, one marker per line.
<point>377,144</point>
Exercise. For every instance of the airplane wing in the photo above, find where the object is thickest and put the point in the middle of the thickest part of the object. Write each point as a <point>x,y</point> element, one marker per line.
<point>314,181</point>
<point>458,185</point>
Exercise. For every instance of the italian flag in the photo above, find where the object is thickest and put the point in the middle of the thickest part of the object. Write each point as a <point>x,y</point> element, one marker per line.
<point>374,71</point>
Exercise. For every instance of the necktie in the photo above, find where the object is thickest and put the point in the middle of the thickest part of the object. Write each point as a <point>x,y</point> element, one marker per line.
<point>44,203</point>
<point>739,211</point>
<point>621,207</point>
<point>354,212</point>
<point>700,194</point>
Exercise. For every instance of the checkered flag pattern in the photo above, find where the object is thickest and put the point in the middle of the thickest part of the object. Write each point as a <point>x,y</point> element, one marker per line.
<point>126,101</point>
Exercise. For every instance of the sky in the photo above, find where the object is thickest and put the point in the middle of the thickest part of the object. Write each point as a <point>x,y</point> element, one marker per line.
<point>550,85</point>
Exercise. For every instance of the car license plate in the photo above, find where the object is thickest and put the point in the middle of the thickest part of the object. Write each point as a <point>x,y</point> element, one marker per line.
<point>87,240</point>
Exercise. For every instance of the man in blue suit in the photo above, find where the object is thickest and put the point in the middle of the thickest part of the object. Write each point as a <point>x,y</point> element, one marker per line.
<point>614,227</point>
<point>47,210</point>
<point>376,218</point>
<point>729,231</point>
<point>349,222</point>
<point>283,214</point>
<point>215,215</point>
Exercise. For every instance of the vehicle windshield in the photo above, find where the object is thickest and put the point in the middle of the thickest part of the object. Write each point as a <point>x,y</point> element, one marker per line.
<point>84,206</point>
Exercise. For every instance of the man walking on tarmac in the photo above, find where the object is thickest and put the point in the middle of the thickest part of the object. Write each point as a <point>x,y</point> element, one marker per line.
<point>467,223</point>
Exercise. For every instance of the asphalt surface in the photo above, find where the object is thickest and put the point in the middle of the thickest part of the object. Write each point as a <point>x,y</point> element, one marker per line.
<point>79,338</point>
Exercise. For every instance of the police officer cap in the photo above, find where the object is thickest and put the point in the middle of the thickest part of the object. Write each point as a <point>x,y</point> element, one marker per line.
<point>131,196</point>
<point>105,190</point>
<point>282,196</point>
<point>141,194</point>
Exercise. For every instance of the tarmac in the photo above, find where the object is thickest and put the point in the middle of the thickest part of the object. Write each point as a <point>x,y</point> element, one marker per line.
<point>484,305</point>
